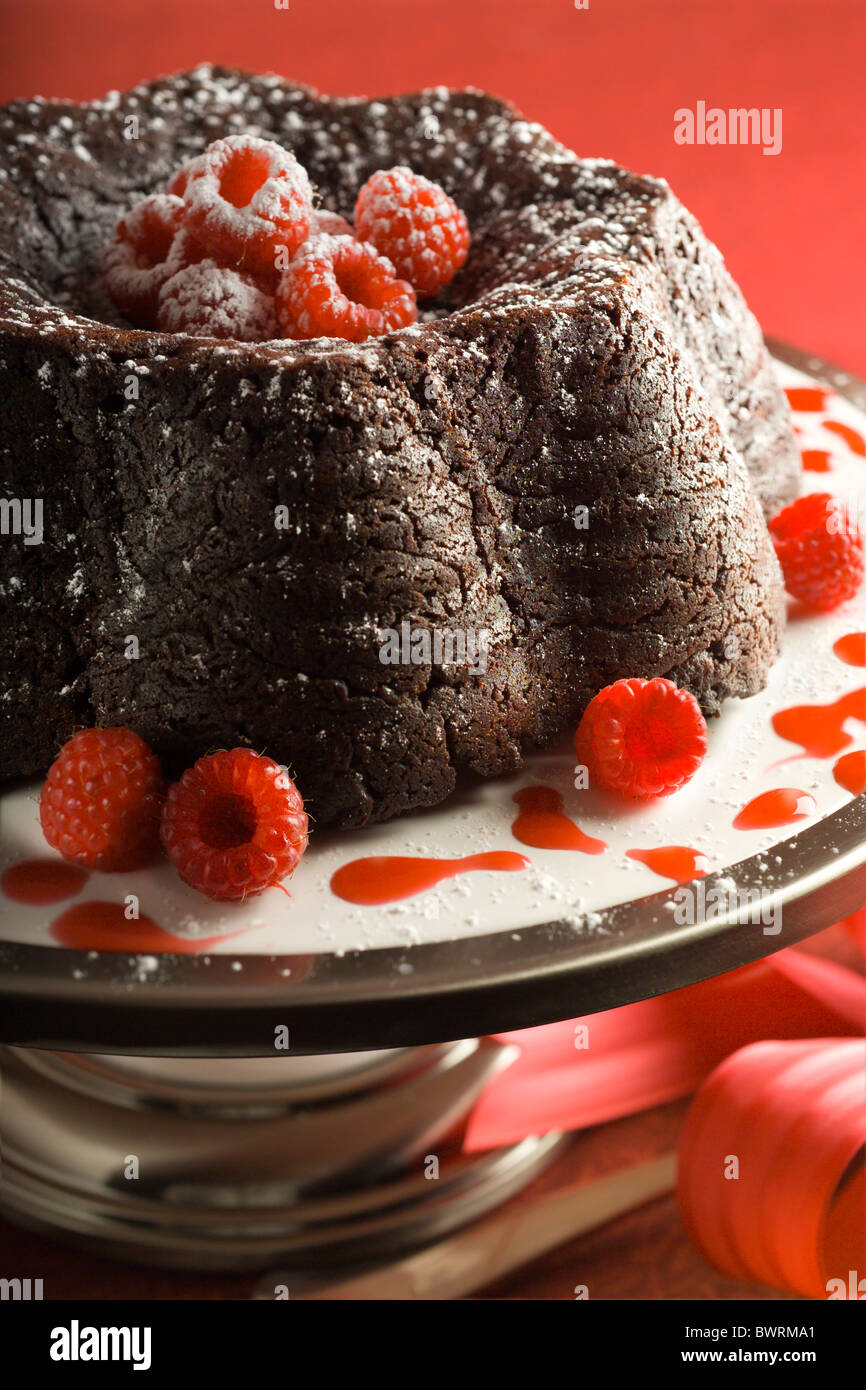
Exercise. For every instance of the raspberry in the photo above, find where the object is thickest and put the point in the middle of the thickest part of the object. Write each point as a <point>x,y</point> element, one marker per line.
<point>137,261</point>
<point>181,177</point>
<point>218,303</point>
<point>101,800</point>
<point>337,287</point>
<point>327,223</point>
<point>234,824</point>
<point>185,250</point>
<point>246,199</point>
<point>820,549</point>
<point>642,738</point>
<point>415,224</point>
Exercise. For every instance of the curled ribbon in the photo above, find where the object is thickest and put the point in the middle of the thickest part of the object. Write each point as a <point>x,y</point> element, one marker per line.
<point>771,1173</point>
<point>773,1139</point>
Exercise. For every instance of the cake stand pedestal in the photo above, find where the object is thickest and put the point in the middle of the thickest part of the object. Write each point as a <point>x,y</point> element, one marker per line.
<point>241,1164</point>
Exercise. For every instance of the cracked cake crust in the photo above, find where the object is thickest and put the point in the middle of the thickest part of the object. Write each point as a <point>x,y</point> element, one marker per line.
<point>593,353</point>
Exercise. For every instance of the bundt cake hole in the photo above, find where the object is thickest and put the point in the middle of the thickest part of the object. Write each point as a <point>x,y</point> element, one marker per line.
<point>77,286</point>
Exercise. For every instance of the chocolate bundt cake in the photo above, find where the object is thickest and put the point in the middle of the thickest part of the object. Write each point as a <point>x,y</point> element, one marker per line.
<point>563,463</point>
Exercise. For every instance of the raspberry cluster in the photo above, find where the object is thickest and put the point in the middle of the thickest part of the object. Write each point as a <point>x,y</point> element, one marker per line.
<point>232,826</point>
<point>234,248</point>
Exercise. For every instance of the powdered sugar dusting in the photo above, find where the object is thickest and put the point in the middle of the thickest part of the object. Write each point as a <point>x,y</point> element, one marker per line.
<point>249,225</point>
<point>217,302</point>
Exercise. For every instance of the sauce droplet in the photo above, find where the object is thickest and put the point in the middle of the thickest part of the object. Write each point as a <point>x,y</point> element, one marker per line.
<point>851,648</point>
<point>542,824</point>
<point>36,881</point>
<point>806,397</point>
<point>818,728</point>
<point>850,772</point>
<point>673,861</point>
<point>387,878</point>
<point>102,926</point>
<point>781,806</point>
<point>855,441</point>
<point>816,461</point>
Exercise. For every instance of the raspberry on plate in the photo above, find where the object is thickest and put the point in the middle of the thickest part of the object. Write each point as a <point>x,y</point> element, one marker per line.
<point>336,287</point>
<point>245,200</point>
<point>642,738</point>
<point>820,549</point>
<point>101,801</point>
<point>217,302</point>
<point>137,261</point>
<point>415,224</point>
<point>234,825</point>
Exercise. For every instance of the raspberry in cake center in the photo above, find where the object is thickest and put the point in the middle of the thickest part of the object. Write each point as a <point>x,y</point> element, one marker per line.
<point>243,176</point>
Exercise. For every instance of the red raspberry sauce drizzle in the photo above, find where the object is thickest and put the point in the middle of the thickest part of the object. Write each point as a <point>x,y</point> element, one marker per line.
<point>851,648</point>
<point>781,806</point>
<point>542,824</point>
<point>850,772</point>
<point>38,881</point>
<point>818,728</point>
<point>387,878</point>
<point>816,461</point>
<point>102,926</point>
<point>673,861</point>
<point>806,397</point>
<point>855,441</point>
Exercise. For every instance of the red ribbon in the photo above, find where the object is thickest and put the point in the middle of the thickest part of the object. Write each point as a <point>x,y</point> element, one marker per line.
<point>597,1068</point>
<point>766,1144</point>
<point>771,1173</point>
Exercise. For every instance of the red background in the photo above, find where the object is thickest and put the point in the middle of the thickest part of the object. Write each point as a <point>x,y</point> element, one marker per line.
<point>605,80</point>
